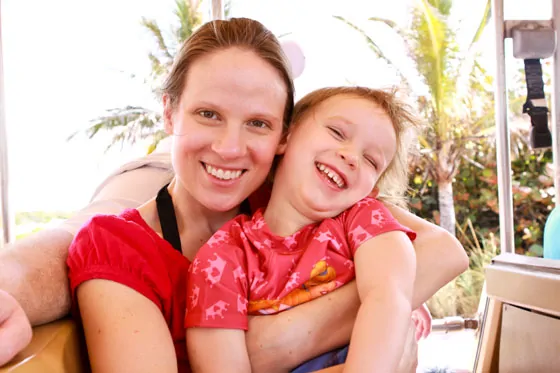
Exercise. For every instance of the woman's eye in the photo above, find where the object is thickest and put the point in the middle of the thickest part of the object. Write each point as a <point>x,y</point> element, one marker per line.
<point>258,124</point>
<point>337,133</point>
<point>208,114</point>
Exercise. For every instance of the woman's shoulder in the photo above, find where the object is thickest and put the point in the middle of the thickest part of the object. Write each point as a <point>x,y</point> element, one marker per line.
<point>114,236</point>
<point>115,226</point>
<point>124,249</point>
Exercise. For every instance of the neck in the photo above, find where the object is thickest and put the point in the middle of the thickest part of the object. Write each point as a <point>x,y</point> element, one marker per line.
<point>193,217</point>
<point>281,216</point>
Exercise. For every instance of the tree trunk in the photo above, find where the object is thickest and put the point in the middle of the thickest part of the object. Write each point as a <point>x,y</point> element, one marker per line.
<point>446,206</point>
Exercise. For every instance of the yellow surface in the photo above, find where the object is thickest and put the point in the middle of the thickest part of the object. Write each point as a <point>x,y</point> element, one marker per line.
<point>57,347</point>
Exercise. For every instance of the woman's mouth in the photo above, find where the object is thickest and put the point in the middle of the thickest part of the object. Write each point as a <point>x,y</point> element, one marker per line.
<point>222,173</point>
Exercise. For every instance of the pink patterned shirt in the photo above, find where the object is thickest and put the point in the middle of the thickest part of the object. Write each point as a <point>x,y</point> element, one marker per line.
<point>246,269</point>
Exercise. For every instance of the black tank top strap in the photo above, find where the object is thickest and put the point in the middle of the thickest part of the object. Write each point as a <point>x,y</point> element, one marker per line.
<point>168,219</point>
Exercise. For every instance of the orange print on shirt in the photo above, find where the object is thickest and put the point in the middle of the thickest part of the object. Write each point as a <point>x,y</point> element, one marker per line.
<point>321,281</point>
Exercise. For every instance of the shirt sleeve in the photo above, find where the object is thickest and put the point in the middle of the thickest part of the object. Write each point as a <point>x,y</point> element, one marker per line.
<point>112,248</point>
<point>367,219</point>
<point>217,288</point>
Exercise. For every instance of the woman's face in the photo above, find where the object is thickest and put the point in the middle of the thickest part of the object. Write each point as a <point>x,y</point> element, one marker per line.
<point>226,126</point>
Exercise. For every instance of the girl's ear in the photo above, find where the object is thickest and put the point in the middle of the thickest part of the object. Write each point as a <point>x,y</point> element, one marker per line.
<point>374,193</point>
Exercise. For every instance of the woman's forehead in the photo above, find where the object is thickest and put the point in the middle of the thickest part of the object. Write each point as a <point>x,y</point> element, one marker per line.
<point>234,75</point>
<point>234,69</point>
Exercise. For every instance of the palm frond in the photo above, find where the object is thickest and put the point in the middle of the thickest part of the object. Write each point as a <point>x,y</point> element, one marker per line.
<point>132,123</point>
<point>483,23</point>
<point>375,48</point>
<point>153,27</point>
<point>432,30</point>
<point>128,124</point>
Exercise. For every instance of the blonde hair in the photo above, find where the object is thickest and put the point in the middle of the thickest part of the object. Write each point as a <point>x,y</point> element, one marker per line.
<point>393,183</point>
<point>219,35</point>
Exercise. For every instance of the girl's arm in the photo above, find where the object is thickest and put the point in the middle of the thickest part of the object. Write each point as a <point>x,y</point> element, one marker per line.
<point>217,350</point>
<point>125,331</point>
<point>326,323</point>
<point>439,255</point>
<point>385,271</point>
<point>217,301</point>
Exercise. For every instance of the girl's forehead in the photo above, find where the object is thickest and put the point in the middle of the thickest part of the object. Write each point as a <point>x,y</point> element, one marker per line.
<point>349,107</point>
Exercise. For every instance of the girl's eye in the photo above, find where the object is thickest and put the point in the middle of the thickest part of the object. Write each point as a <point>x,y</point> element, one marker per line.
<point>372,162</point>
<point>337,133</point>
<point>208,114</point>
<point>258,124</point>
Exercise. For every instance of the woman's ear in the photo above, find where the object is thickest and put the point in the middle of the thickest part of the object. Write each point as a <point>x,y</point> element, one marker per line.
<point>281,149</point>
<point>167,115</point>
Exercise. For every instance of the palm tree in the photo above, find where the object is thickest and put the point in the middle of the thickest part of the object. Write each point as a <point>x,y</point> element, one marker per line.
<point>132,123</point>
<point>451,75</point>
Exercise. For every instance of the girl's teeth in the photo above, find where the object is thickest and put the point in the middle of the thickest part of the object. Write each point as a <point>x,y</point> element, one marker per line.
<point>331,174</point>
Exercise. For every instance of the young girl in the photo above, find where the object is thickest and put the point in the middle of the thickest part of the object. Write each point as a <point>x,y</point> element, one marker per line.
<point>318,228</point>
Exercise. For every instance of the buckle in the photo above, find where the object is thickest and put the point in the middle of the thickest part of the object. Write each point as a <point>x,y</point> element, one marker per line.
<point>540,135</point>
<point>535,106</point>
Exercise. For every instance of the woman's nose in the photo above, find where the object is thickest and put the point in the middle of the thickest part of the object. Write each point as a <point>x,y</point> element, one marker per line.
<point>230,143</point>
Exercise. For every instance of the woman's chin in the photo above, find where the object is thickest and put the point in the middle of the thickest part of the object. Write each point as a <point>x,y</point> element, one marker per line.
<point>221,204</point>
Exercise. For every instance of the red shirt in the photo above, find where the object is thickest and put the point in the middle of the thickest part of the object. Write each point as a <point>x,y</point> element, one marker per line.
<point>246,269</point>
<point>126,250</point>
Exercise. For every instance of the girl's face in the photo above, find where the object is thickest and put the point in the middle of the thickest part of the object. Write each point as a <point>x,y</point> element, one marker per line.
<point>335,155</point>
<point>226,126</point>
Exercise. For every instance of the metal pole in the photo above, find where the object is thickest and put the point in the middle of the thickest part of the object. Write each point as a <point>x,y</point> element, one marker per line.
<point>555,115</point>
<point>218,9</point>
<point>505,197</point>
<point>6,220</point>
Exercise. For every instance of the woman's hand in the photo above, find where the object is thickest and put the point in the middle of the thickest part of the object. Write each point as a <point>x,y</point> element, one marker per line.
<point>15,329</point>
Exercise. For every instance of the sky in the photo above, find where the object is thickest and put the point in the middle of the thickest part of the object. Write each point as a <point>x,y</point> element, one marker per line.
<point>67,61</point>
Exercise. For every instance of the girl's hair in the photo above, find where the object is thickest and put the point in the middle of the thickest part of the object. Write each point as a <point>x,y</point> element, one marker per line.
<point>219,35</point>
<point>393,183</point>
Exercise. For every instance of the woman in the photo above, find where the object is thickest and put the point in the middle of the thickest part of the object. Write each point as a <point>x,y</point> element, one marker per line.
<point>227,102</point>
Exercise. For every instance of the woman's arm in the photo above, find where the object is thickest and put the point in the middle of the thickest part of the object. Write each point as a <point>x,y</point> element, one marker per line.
<point>125,331</point>
<point>217,350</point>
<point>279,343</point>
<point>385,270</point>
<point>440,257</point>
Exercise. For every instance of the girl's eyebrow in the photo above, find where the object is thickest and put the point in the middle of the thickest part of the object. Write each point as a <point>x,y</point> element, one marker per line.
<point>341,119</point>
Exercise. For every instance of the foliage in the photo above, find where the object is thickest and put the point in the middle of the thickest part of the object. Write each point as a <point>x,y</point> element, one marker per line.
<point>454,115</point>
<point>34,221</point>
<point>133,123</point>
<point>476,193</point>
<point>40,217</point>
<point>476,204</point>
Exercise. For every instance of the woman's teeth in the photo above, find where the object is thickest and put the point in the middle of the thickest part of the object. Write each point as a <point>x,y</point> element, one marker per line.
<point>223,174</point>
<point>331,174</point>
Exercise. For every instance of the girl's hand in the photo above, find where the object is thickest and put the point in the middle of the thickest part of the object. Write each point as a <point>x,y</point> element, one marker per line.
<point>422,319</point>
